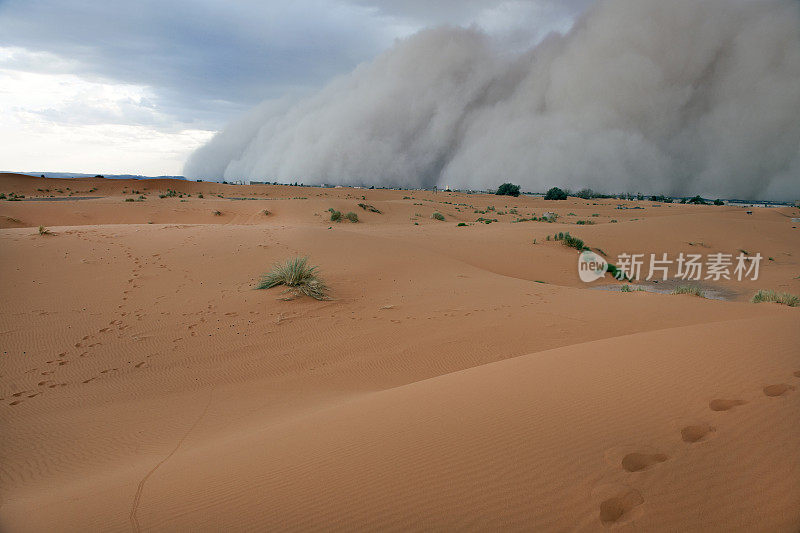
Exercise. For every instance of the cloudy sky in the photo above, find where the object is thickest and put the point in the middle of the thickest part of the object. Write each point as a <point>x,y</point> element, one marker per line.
<point>133,87</point>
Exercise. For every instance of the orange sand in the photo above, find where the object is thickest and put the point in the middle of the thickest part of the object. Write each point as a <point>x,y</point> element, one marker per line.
<point>145,385</point>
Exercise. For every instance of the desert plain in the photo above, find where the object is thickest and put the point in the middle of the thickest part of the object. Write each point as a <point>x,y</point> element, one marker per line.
<point>459,377</point>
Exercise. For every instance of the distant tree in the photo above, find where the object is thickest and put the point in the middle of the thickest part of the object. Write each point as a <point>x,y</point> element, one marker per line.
<point>508,189</point>
<point>555,194</point>
<point>718,202</point>
<point>697,200</point>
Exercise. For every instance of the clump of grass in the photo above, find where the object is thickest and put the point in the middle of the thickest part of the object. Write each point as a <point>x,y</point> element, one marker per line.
<point>298,276</point>
<point>783,298</point>
<point>217,213</point>
<point>585,223</point>
<point>200,195</point>
<point>437,216</point>
<point>690,289</point>
<point>129,200</point>
<point>370,208</point>
<point>266,212</point>
<point>44,231</point>
<point>352,217</point>
<point>461,224</point>
<point>570,241</point>
<point>336,216</point>
<point>625,288</point>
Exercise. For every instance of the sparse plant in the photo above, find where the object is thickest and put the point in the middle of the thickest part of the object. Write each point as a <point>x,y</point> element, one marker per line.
<point>437,216</point>
<point>690,289</point>
<point>625,288</point>
<point>461,224</point>
<point>298,276</point>
<point>370,208</point>
<point>336,216</point>
<point>217,213</point>
<point>44,231</point>
<point>352,217</point>
<point>783,298</point>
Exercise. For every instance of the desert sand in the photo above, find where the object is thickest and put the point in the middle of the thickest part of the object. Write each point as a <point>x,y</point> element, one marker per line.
<point>459,378</point>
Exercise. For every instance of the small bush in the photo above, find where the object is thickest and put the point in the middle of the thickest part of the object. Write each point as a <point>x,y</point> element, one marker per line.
<point>217,213</point>
<point>570,241</point>
<point>689,289</point>
<point>508,189</point>
<point>461,224</point>
<point>266,212</point>
<point>555,194</point>
<point>43,231</point>
<point>336,216</point>
<point>352,217</point>
<point>200,195</point>
<point>718,202</point>
<point>585,223</point>
<point>298,276</point>
<point>783,298</point>
<point>370,208</point>
<point>437,216</point>
<point>129,200</point>
<point>625,288</point>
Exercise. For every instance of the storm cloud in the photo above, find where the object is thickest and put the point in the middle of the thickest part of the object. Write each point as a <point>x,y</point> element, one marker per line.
<point>678,97</point>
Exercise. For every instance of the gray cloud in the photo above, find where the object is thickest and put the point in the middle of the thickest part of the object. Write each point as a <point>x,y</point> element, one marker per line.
<point>667,97</point>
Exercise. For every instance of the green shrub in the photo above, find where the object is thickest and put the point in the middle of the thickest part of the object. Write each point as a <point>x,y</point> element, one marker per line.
<point>336,216</point>
<point>461,224</point>
<point>689,289</point>
<point>437,216</point>
<point>555,194</point>
<point>508,189</point>
<point>217,213</point>
<point>570,241</point>
<point>352,217</point>
<point>783,298</point>
<point>299,278</point>
<point>129,200</point>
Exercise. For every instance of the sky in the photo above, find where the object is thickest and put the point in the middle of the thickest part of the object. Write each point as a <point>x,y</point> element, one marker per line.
<point>135,87</point>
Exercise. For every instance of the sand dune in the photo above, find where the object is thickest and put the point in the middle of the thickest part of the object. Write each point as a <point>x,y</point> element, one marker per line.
<point>147,386</point>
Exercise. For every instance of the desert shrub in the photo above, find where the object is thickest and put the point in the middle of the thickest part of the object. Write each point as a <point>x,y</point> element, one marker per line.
<point>625,288</point>
<point>718,202</point>
<point>352,217</point>
<point>776,297</point>
<point>370,208</point>
<point>336,216</point>
<point>200,195</point>
<point>555,194</point>
<point>43,231</point>
<point>585,223</point>
<point>299,278</point>
<point>437,216</point>
<point>217,213</point>
<point>690,289</point>
<point>266,212</point>
<point>570,241</point>
<point>129,200</point>
<point>461,224</point>
<point>508,189</point>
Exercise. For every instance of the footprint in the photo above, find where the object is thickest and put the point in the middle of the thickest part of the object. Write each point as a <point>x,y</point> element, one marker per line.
<point>635,462</point>
<point>614,508</point>
<point>695,433</point>
<point>778,389</point>
<point>724,405</point>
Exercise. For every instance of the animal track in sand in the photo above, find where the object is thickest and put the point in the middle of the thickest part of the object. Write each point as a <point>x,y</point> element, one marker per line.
<point>695,433</point>
<point>779,389</point>
<point>724,405</point>
<point>636,462</point>
<point>614,508</point>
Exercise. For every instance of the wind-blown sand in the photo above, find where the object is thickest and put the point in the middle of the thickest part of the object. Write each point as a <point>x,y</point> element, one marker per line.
<point>145,384</point>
